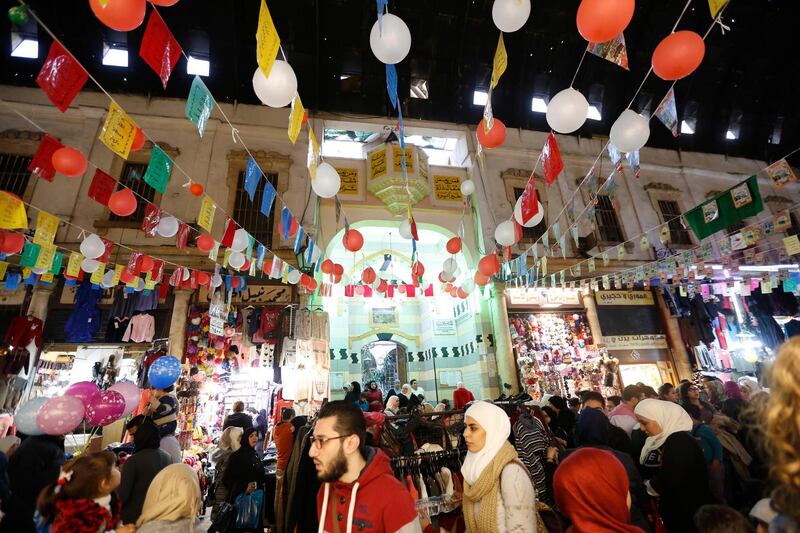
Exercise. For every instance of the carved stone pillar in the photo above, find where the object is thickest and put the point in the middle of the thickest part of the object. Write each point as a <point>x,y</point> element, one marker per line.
<point>177,325</point>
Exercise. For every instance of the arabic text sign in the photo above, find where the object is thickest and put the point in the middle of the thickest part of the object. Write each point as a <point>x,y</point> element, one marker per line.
<point>624,298</point>
<point>635,342</point>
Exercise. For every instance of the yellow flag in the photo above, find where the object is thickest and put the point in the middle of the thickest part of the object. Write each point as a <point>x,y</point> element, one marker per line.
<point>97,275</point>
<point>313,153</point>
<point>500,62</point>
<point>118,131</point>
<point>205,218</point>
<point>149,284</point>
<point>46,255</point>
<point>267,40</point>
<point>3,269</point>
<point>47,277</point>
<point>74,264</point>
<point>117,273</point>
<point>226,257</point>
<point>46,227</point>
<point>12,212</point>
<point>296,118</point>
<point>26,273</point>
<point>715,6</point>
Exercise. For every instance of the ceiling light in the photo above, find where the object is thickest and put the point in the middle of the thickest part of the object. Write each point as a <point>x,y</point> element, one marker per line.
<point>731,136</point>
<point>686,128</point>
<point>594,113</point>
<point>24,46</point>
<point>198,67</point>
<point>777,130</point>
<point>419,88</point>
<point>538,105</point>
<point>480,98</point>
<point>114,57</point>
<point>767,268</point>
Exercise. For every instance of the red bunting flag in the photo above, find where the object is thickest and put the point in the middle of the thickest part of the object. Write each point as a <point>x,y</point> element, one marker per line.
<point>429,290</point>
<point>152,216</point>
<point>102,187</point>
<point>530,202</point>
<point>42,163</point>
<point>551,159</point>
<point>230,229</point>
<point>61,77</point>
<point>158,270</point>
<point>183,236</point>
<point>135,263</point>
<point>159,48</point>
<point>109,245</point>
<point>163,290</point>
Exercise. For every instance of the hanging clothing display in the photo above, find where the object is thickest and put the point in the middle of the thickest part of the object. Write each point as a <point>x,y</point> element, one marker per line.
<point>23,330</point>
<point>84,321</point>
<point>141,328</point>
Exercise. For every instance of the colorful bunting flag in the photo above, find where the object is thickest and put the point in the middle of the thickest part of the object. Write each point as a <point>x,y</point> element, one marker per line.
<point>500,61</point>
<point>159,48</point>
<point>313,153</point>
<point>780,173</point>
<point>12,211</point>
<point>633,162</point>
<point>289,224</point>
<point>267,198</point>
<point>551,159</point>
<point>251,177</point>
<point>46,227</point>
<point>118,131</point>
<point>296,118</point>
<point>29,254</point>
<point>102,187</point>
<point>158,169</point>
<point>726,209</point>
<point>267,40</point>
<point>74,265</point>
<point>61,77</point>
<point>42,164</point>
<point>667,112</point>
<point>199,104</point>
<point>205,218</point>
<point>613,50</point>
<point>715,5</point>
<point>152,216</point>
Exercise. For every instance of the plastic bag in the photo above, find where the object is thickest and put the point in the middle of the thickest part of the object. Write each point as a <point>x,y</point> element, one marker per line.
<point>248,509</point>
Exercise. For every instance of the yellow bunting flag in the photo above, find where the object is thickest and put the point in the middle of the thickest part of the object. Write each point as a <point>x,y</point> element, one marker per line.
<point>12,211</point>
<point>313,153</point>
<point>117,274</point>
<point>47,277</point>
<point>267,40</point>
<point>296,118</point>
<point>46,255</point>
<point>500,62</point>
<point>149,284</point>
<point>46,227</point>
<point>715,6</point>
<point>205,218</point>
<point>792,245</point>
<point>74,265</point>
<point>3,269</point>
<point>97,275</point>
<point>26,273</point>
<point>118,131</point>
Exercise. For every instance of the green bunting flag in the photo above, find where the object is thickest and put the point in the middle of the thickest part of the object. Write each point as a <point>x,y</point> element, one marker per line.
<point>726,209</point>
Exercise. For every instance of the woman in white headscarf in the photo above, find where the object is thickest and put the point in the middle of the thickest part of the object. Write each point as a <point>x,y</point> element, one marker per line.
<point>749,387</point>
<point>498,494</point>
<point>676,468</point>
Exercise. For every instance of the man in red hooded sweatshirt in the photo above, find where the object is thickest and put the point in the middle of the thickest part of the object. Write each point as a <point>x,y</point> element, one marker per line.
<point>359,491</point>
<point>462,396</point>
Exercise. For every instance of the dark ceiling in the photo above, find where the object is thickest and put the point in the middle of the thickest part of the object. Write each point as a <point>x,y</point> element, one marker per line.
<point>751,71</point>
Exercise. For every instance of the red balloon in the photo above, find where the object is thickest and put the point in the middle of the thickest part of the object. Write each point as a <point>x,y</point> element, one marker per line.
<point>12,242</point>
<point>120,15</point>
<point>678,55</point>
<point>480,279</point>
<point>164,3</point>
<point>312,284</point>
<point>246,265</point>
<point>454,245</point>
<point>147,264</point>
<point>494,137</point>
<point>489,265</point>
<point>138,140</point>
<point>417,269</point>
<point>383,286</point>
<point>337,279</point>
<point>69,161</point>
<point>462,293</point>
<point>196,189</point>
<point>444,278</point>
<point>454,291</point>
<point>338,270</point>
<point>235,282</point>
<point>447,287</point>
<point>327,266</point>
<point>602,20</point>
<point>126,276</point>
<point>122,202</point>
<point>353,240</point>
<point>368,276</point>
<point>203,278</point>
<point>205,242</point>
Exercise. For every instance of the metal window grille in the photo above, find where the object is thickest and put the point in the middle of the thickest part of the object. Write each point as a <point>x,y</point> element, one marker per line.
<point>607,221</point>
<point>248,214</point>
<point>133,178</point>
<point>670,211</point>
<point>530,234</point>
<point>14,174</point>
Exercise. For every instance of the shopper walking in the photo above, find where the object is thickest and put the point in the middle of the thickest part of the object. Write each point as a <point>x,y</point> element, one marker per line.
<point>164,410</point>
<point>394,391</point>
<point>244,472</point>
<point>712,451</point>
<point>359,493</point>
<point>374,397</point>
<point>715,391</point>
<point>591,490</point>
<point>499,496</point>
<point>668,393</point>
<point>690,394</point>
<point>283,436</point>
<point>392,406</point>
<point>229,442</point>
<point>262,426</point>
<point>462,396</point>
<point>172,502</point>
<point>676,468</point>
<point>139,470</point>
<point>238,417</point>
<point>623,415</point>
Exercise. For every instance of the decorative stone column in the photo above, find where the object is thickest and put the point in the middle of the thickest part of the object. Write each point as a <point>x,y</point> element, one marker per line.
<point>177,325</point>
<point>591,315</point>
<point>680,357</point>
<point>507,371</point>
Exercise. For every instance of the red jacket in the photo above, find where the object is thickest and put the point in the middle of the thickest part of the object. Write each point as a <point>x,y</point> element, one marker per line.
<point>83,515</point>
<point>381,504</point>
<point>461,397</point>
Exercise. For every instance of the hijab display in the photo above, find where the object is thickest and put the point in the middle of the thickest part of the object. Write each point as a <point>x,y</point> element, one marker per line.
<point>670,416</point>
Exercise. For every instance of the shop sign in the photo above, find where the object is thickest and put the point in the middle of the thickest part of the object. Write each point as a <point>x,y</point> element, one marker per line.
<point>550,297</point>
<point>349,181</point>
<point>444,326</point>
<point>216,326</point>
<point>447,188</point>
<point>624,298</point>
<point>635,342</point>
<point>255,294</point>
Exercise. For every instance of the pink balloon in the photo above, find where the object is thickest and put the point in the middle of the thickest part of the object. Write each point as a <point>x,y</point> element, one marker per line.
<point>106,409</point>
<point>60,415</point>
<point>130,392</point>
<point>85,391</point>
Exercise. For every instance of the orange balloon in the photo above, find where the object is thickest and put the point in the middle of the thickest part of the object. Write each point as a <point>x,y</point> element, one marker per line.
<point>383,286</point>
<point>12,242</point>
<point>203,278</point>
<point>338,269</point>
<point>164,3</point>
<point>678,55</point>
<point>205,242</point>
<point>368,276</point>
<point>326,266</point>
<point>126,276</point>
<point>196,189</point>
<point>147,264</point>
<point>447,287</point>
<point>494,137</point>
<point>138,140</point>
<point>120,15</point>
<point>480,279</point>
<point>235,282</point>
<point>454,245</point>
<point>69,161</point>
<point>312,284</point>
<point>337,279</point>
<point>602,20</point>
<point>122,203</point>
<point>453,291</point>
<point>353,240</point>
<point>417,269</point>
<point>462,293</point>
<point>489,265</point>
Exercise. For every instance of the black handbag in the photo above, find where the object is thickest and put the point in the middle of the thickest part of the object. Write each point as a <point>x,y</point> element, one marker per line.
<point>226,514</point>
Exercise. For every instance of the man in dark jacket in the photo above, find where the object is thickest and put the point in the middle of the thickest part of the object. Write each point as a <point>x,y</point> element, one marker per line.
<point>238,418</point>
<point>35,464</point>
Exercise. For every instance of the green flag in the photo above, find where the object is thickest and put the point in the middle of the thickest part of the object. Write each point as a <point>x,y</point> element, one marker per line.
<point>726,209</point>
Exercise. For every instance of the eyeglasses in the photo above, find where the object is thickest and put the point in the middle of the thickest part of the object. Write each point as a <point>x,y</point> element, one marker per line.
<point>319,442</point>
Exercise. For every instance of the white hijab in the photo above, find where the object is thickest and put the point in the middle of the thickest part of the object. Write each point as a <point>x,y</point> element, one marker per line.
<point>670,416</point>
<point>497,426</point>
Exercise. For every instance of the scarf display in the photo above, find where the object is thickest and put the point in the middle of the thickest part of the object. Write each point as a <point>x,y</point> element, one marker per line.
<point>485,491</point>
<point>670,416</point>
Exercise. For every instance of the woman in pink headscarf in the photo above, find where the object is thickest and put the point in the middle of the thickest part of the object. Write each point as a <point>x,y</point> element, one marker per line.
<point>733,391</point>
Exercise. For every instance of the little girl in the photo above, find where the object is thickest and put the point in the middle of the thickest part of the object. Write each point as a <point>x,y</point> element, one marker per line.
<point>83,498</point>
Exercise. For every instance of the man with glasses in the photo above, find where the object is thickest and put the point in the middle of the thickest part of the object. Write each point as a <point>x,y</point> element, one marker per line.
<point>359,493</point>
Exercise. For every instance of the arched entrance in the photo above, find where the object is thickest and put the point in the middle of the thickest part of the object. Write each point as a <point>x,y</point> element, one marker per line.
<point>384,362</point>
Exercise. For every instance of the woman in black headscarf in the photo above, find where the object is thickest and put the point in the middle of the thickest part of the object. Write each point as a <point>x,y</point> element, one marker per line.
<point>262,426</point>
<point>244,472</point>
<point>353,392</point>
<point>140,469</point>
<point>565,418</point>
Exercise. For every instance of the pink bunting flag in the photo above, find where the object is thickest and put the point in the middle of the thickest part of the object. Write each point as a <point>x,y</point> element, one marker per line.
<point>159,48</point>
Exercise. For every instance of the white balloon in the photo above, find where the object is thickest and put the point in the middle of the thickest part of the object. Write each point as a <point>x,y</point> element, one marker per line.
<point>630,131</point>
<point>468,285</point>
<point>504,234</point>
<point>534,220</point>
<point>89,265</point>
<point>139,285</point>
<point>108,279</point>
<point>327,182</point>
<point>240,240</point>
<point>236,260</point>
<point>294,276</point>
<point>405,229</point>
<point>216,280</point>
<point>279,88</point>
<point>450,266</point>
<point>446,276</point>
<point>567,110</point>
<point>390,39</point>
<point>467,187</point>
<point>510,15</point>
<point>39,271</point>
<point>167,227</point>
<point>92,247</point>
